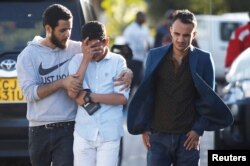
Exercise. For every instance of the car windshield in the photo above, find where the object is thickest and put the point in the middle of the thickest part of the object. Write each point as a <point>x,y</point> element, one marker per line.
<point>20,22</point>
<point>226,29</point>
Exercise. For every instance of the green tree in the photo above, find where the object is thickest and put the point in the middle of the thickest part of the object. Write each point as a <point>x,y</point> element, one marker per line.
<point>118,13</point>
<point>239,5</point>
<point>157,8</point>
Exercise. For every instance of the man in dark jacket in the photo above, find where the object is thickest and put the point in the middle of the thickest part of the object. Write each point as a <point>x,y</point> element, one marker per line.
<point>176,101</point>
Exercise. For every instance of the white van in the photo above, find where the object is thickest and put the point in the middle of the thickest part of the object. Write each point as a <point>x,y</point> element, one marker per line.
<point>213,33</point>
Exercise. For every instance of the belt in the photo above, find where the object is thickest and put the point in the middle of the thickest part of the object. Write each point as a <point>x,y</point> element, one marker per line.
<point>56,125</point>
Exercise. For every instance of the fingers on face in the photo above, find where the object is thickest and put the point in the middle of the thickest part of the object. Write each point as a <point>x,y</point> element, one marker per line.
<point>95,50</point>
<point>85,42</point>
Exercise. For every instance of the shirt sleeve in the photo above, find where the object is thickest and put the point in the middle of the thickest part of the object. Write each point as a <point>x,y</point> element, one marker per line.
<point>27,78</point>
<point>121,65</point>
<point>74,64</point>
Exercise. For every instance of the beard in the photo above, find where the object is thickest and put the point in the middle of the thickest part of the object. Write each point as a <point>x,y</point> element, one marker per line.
<point>56,42</point>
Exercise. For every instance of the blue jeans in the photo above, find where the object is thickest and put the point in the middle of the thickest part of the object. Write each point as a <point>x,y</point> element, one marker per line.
<point>54,145</point>
<point>167,149</point>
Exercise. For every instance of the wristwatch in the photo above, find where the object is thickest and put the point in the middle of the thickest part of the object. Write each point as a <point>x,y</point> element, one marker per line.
<point>87,98</point>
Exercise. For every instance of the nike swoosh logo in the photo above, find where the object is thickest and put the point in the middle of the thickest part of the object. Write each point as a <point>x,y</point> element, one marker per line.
<point>43,71</point>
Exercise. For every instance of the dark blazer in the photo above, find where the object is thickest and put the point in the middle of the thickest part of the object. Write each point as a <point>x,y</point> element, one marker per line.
<point>213,114</point>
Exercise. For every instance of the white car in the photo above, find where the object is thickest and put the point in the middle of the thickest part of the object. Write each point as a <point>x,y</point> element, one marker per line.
<point>213,33</point>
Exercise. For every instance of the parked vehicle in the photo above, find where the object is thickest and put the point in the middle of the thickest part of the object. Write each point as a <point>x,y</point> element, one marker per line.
<point>213,33</point>
<point>237,97</point>
<point>20,21</point>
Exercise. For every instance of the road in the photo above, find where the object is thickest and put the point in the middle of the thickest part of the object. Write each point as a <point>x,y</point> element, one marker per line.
<point>134,153</point>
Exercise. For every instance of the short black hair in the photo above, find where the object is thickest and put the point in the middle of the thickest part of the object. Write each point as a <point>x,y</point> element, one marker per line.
<point>185,16</point>
<point>54,13</point>
<point>93,30</point>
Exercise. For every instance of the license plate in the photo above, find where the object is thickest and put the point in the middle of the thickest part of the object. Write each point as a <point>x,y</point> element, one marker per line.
<point>10,91</point>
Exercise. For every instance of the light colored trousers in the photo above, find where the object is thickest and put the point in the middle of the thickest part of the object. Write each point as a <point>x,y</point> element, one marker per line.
<point>95,153</point>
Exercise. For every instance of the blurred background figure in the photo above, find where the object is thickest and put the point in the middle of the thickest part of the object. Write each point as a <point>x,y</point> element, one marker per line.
<point>240,40</point>
<point>121,47</point>
<point>163,36</point>
<point>138,38</point>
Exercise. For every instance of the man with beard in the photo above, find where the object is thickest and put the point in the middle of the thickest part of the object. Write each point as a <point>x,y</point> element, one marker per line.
<point>43,76</point>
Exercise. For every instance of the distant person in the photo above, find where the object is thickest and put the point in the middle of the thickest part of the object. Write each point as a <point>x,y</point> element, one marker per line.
<point>97,136</point>
<point>240,40</point>
<point>121,47</point>
<point>138,38</point>
<point>163,36</point>
<point>176,102</point>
